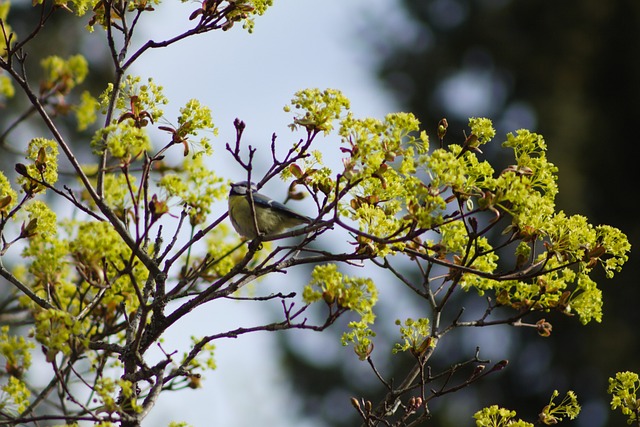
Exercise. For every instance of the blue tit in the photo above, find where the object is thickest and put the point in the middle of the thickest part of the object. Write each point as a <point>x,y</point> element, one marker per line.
<point>271,217</point>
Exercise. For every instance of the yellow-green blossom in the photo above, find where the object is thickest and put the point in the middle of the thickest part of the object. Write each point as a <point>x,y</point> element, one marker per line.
<point>44,166</point>
<point>494,416</point>
<point>624,394</point>
<point>344,292</point>
<point>14,397</point>
<point>86,110</point>
<point>197,186</point>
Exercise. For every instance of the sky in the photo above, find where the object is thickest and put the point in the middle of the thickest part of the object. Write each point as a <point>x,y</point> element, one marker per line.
<point>297,44</point>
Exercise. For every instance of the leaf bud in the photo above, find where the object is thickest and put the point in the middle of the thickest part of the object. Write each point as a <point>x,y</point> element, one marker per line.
<point>14,369</point>
<point>195,381</point>
<point>22,170</point>
<point>500,365</point>
<point>363,352</point>
<point>324,187</point>
<point>4,202</point>
<point>478,370</point>
<point>295,170</point>
<point>355,403</point>
<point>442,128</point>
<point>544,328</point>
<point>41,160</point>
<point>29,230</point>
<point>328,297</point>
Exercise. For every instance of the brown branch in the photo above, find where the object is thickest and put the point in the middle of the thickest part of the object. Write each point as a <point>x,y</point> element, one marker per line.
<point>23,288</point>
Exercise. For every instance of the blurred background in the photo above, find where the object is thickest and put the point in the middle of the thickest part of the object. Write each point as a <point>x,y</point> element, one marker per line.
<point>569,70</point>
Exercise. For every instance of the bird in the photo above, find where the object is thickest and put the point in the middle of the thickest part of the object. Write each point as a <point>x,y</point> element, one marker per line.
<point>271,217</point>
